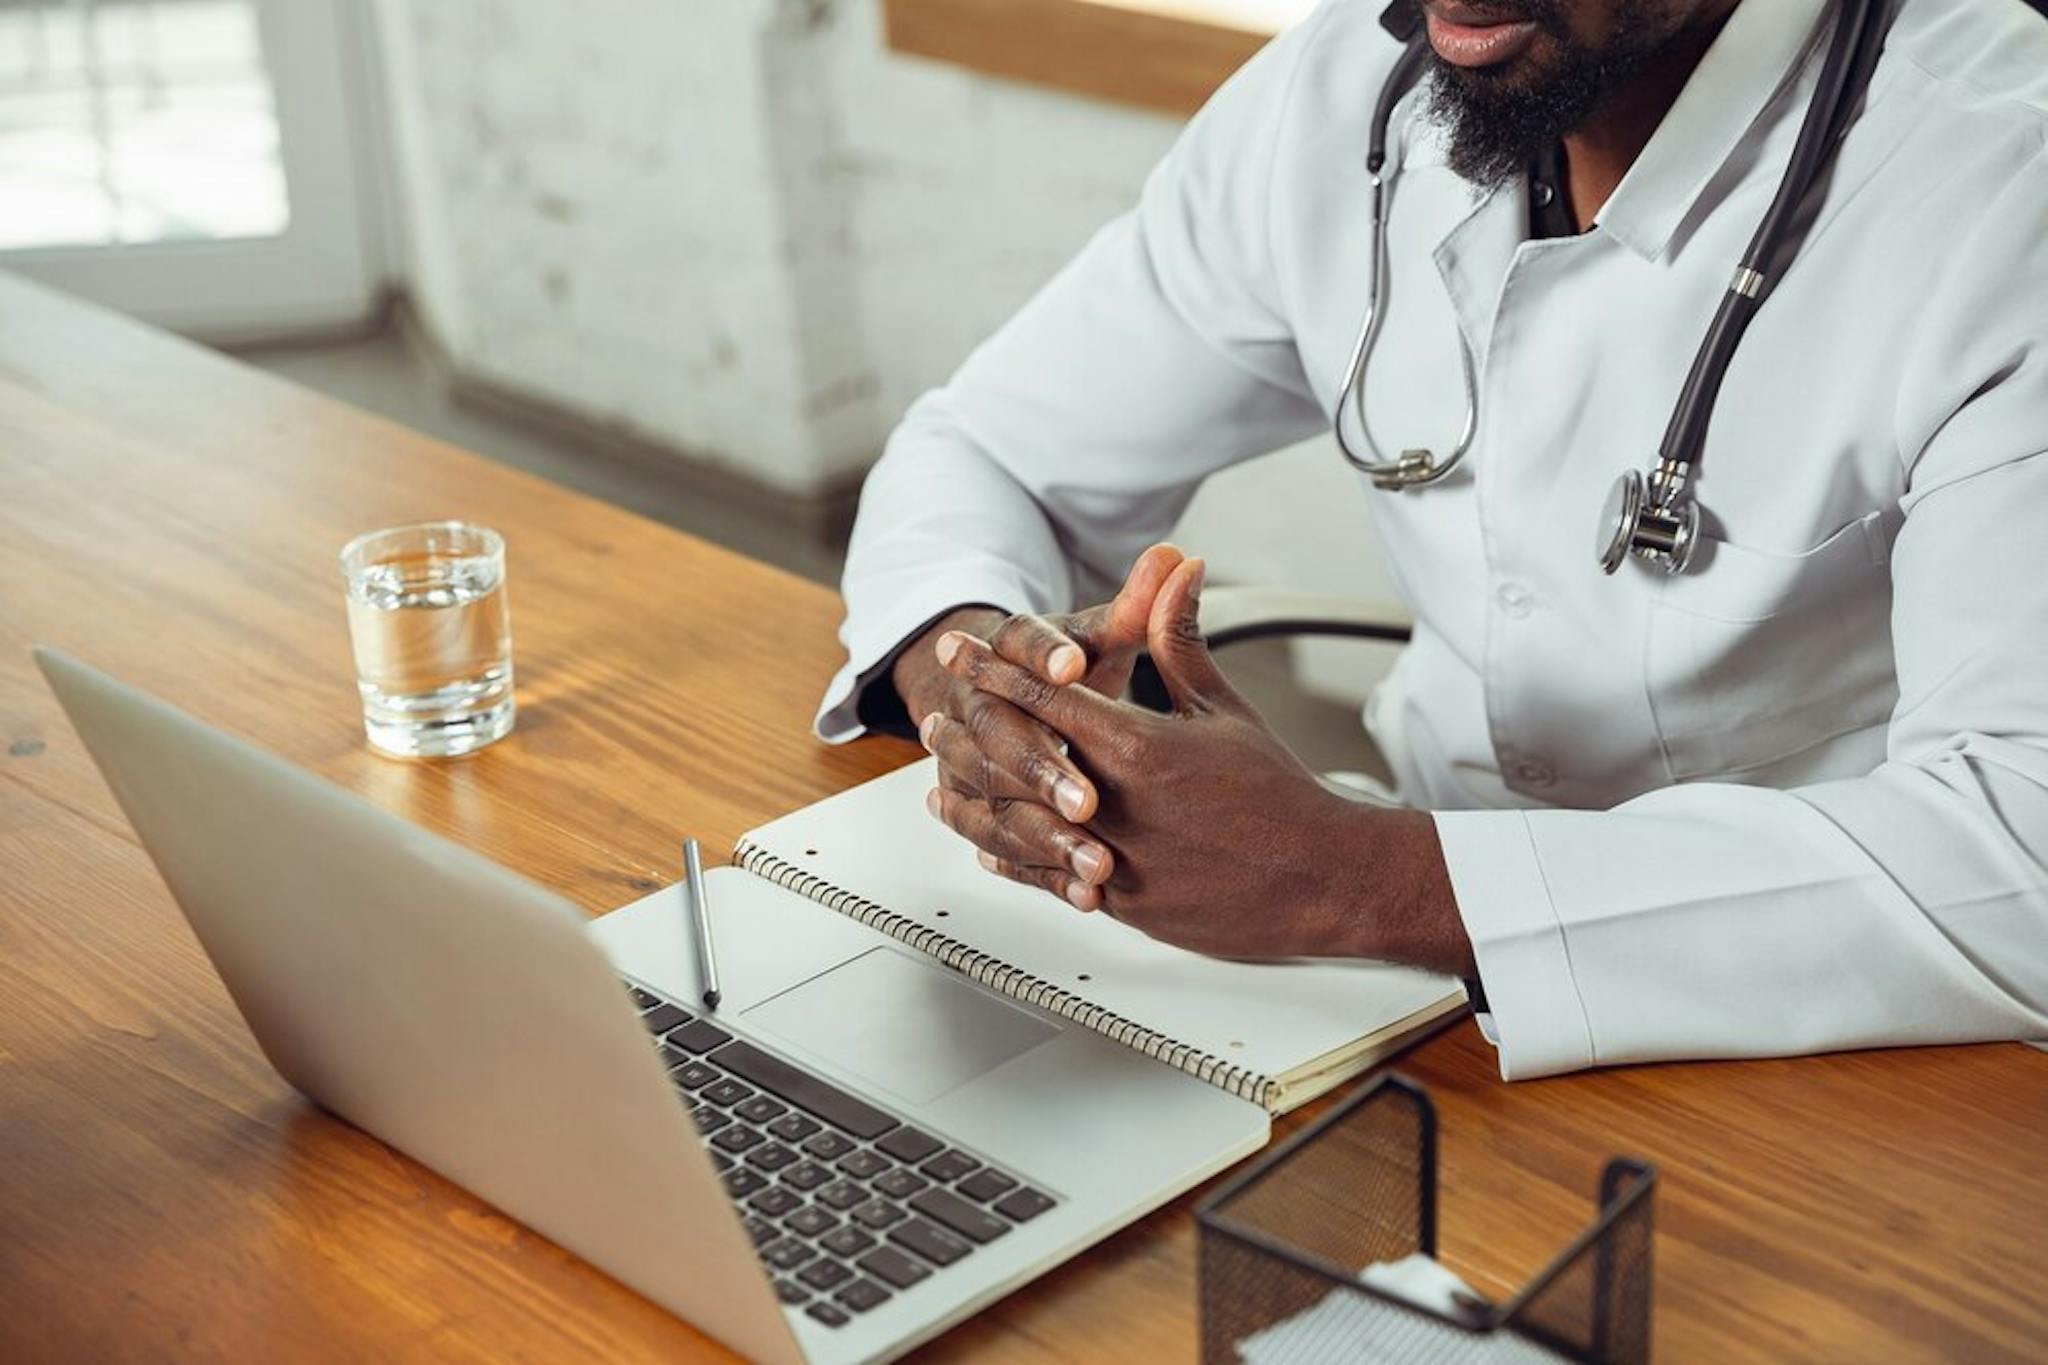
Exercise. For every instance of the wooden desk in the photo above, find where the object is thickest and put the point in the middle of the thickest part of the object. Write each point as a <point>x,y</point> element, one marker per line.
<point>174,516</point>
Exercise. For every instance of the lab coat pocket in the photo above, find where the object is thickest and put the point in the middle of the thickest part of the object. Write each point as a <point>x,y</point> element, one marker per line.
<point>1755,655</point>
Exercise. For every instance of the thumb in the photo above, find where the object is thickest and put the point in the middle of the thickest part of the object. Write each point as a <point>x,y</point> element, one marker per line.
<point>1124,624</point>
<point>1119,624</point>
<point>1174,636</point>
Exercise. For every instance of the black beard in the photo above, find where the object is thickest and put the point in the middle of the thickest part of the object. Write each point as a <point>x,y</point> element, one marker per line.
<point>1499,119</point>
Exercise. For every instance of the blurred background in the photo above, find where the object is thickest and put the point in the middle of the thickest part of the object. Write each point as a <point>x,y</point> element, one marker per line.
<point>695,258</point>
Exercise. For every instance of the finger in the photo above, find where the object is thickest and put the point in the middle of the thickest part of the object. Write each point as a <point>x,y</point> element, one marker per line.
<point>1022,832</point>
<point>1174,637</point>
<point>1075,892</point>
<point>1078,713</point>
<point>947,778</point>
<point>1001,752</point>
<point>1034,755</point>
<point>1037,644</point>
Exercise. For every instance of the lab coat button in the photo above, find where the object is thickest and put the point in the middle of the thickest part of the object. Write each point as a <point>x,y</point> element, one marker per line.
<point>1533,773</point>
<point>1514,599</point>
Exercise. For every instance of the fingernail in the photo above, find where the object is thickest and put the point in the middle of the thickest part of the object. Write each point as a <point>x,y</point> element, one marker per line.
<point>927,730</point>
<point>1201,572</point>
<point>1068,796</point>
<point>948,646</point>
<point>1087,860</point>
<point>934,805</point>
<point>1077,895</point>
<point>986,859</point>
<point>1064,658</point>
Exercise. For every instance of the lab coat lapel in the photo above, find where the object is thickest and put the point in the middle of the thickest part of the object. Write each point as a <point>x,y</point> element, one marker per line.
<point>1473,254</point>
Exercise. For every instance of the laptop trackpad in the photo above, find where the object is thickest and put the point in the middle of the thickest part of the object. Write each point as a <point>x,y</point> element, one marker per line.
<point>911,1027</point>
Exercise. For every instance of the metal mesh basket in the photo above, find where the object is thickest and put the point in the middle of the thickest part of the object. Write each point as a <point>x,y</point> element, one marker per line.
<point>1283,1249</point>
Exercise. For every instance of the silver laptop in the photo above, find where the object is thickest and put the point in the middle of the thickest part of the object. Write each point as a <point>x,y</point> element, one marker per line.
<point>760,1186</point>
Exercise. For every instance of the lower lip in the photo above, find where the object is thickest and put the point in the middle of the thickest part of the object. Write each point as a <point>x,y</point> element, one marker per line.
<point>1478,44</point>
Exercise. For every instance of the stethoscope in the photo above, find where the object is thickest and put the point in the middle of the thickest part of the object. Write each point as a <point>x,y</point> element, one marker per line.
<point>1653,517</point>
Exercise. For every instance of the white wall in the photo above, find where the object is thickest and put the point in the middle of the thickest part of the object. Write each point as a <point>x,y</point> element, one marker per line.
<point>742,229</point>
<point>745,230</point>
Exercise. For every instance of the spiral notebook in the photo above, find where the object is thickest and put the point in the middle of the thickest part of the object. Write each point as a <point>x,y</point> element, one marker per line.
<point>1277,1034</point>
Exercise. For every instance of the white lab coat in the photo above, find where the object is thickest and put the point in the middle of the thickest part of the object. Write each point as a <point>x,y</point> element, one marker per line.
<point>1793,800</point>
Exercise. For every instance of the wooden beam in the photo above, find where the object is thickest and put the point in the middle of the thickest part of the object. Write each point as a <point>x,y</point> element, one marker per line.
<point>1168,55</point>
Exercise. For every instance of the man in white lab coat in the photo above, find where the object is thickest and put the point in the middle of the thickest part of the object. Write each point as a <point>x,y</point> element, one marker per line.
<point>1793,799</point>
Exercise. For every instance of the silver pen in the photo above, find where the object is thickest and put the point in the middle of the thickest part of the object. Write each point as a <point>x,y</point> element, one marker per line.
<point>699,906</point>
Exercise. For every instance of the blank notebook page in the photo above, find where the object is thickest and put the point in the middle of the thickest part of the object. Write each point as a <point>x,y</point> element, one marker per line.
<point>877,842</point>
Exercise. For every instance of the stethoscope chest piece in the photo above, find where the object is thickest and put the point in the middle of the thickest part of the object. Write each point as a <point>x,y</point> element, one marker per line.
<point>1654,521</point>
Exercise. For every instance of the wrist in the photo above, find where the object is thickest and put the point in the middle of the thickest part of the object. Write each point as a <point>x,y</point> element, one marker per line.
<point>1389,894</point>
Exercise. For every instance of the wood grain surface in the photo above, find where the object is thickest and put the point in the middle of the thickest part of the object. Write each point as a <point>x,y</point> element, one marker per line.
<point>173,516</point>
<point>1168,55</point>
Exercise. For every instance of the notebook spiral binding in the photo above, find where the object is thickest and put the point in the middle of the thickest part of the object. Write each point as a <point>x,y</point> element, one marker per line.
<point>997,975</point>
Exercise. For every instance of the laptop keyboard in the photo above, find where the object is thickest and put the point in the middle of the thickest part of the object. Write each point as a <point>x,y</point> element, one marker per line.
<point>846,1203</point>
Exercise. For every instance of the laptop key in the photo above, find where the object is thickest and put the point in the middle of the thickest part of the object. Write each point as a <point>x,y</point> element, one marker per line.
<point>692,1075</point>
<point>823,1274</point>
<point>900,1184</point>
<point>760,1109</point>
<point>736,1138</point>
<point>727,1092</point>
<point>774,1202</point>
<point>699,1035</point>
<point>761,1230</point>
<point>862,1295</point>
<point>806,1175</point>
<point>943,1206</point>
<point>662,1018</point>
<point>841,1195</point>
<point>723,1162</point>
<point>829,1146</point>
<point>1023,1204</point>
<point>890,1265</point>
<point>810,1220</point>
<point>772,1157</point>
<point>789,1291</point>
<point>933,1243</point>
<point>743,1182</point>
<point>910,1144</point>
<point>788,1254</point>
<point>985,1184</point>
<point>863,1165</point>
<point>805,1091</point>
<point>710,1120</point>
<point>793,1127</point>
<point>949,1165</point>
<point>846,1240</point>
<point>878,1213</point>
<point>827,1314</point>
<point>646,1000</point>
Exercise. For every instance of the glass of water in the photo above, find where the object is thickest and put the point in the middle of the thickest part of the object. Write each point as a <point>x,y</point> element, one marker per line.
<point>433,637</point>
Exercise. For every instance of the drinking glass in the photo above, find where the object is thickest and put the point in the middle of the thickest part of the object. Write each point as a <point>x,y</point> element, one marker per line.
<point>432,636</point>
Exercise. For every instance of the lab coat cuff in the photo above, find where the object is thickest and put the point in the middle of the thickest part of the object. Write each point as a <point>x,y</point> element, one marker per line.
<point>1538,1020</point>
<point>873,647</point>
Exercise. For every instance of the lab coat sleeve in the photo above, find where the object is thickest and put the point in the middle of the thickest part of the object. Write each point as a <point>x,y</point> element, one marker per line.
<point>1076,434</point>
<point>1907,906</point>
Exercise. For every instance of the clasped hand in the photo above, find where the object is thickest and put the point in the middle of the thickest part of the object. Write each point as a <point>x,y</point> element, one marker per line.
<point>1198,825</point>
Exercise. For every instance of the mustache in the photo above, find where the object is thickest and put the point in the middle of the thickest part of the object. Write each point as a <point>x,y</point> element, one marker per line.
<point>1547,15</point>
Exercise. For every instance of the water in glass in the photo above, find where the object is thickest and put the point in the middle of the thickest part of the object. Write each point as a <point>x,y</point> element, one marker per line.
<point>433,640</point>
